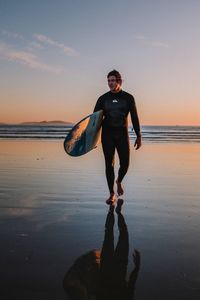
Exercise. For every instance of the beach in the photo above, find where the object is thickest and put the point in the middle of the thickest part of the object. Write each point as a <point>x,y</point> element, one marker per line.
<point>53,210</point>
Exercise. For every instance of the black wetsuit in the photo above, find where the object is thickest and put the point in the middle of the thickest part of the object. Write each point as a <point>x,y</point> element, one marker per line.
<point>116,107</point>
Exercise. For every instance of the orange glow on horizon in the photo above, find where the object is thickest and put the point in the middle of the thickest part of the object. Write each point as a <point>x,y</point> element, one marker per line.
<point>157,119</point>
<point>15,114</point>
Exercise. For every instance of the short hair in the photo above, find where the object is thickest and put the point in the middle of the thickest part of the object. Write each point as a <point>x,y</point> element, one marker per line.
<point>116,74</point>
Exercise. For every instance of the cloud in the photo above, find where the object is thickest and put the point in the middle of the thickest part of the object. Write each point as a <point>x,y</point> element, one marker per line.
<point>26,51</point>
<point>39,41</point>
<point>149,42</point>
<point>48,41</point>
<point>36,45</point>
<point>27,58</point>
<point>12,34</point>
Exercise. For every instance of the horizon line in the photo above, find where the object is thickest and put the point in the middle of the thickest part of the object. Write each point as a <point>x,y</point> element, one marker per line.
<point>73,123</point>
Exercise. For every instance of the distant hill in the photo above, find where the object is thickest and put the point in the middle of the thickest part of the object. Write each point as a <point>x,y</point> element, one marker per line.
<point>54,122</point>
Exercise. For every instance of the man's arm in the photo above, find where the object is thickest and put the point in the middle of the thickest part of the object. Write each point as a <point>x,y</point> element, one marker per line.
<point>136,123</point>
<point>134,117</point>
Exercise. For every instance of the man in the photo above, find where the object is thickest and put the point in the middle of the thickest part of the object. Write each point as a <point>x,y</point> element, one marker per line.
<point>116,104</point>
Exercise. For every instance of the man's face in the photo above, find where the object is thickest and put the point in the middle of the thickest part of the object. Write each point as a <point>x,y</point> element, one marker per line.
<point>113,84</point>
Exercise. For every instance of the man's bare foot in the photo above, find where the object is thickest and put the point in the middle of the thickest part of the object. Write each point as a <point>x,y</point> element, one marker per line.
<point>120,190</point>
<point>111,200</point>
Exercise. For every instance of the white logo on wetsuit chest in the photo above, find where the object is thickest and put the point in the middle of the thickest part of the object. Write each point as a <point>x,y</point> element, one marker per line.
<point>115,100</point>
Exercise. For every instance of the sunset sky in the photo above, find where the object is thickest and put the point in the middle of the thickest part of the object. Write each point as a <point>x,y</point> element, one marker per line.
<point>55,55</point>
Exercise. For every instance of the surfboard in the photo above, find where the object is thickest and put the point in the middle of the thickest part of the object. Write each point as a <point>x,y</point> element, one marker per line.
<point>83,137</point>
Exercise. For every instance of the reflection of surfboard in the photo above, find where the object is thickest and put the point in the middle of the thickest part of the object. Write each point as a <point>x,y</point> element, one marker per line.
<point>84,135</point>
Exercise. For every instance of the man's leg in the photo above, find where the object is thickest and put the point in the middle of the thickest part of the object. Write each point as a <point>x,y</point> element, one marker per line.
<point>123,150</point>
<point>108,146</point>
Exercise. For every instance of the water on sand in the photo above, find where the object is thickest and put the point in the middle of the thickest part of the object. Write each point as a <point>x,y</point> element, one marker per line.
<point>53,210</point>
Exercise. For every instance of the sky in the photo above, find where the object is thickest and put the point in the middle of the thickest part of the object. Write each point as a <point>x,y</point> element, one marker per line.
<point>55,56</point>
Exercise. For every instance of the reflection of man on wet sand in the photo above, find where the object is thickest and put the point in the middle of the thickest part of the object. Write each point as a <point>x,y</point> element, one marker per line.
<point>103,273</point>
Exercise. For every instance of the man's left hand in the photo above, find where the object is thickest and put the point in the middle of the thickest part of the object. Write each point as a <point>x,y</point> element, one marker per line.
<point>138,142</point>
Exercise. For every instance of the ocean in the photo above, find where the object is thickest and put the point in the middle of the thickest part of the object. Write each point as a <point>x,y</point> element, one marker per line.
<point>149,133</point>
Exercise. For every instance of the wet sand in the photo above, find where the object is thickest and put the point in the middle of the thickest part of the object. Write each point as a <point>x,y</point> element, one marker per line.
<point>53,210</point>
